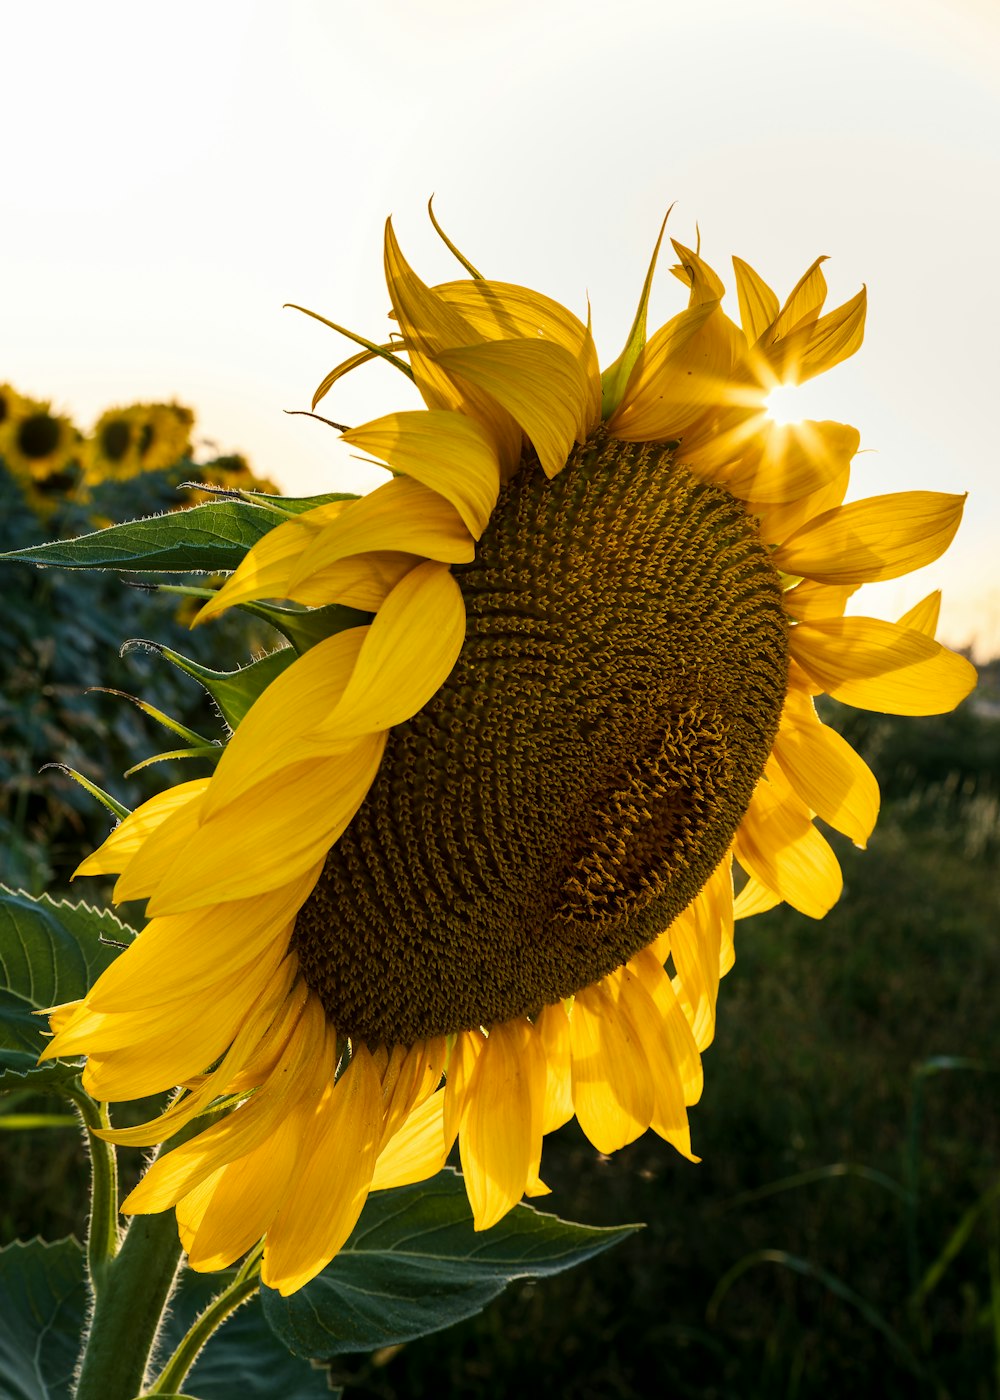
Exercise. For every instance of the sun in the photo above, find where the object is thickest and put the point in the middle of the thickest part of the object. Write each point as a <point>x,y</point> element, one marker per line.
<point>784,404</point>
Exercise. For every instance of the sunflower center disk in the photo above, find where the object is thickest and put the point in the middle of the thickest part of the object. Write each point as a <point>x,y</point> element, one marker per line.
<point>574,783</point>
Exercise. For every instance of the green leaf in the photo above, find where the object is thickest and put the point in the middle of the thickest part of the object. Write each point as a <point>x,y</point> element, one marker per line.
<point>304,627</point>
<point>50,952</point>
<point>414,1265</point>
<point>243,1357</point>
<point>43,1299</point>
<point>211,539</point>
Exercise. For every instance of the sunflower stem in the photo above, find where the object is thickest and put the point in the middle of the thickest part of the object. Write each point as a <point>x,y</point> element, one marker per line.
<point>241,1290</point>
<point>102,1228</point>
<point>129,1310</point>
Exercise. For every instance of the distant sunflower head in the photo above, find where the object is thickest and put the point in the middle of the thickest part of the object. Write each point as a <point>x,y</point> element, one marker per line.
<point>39,446</point>
<point>164,434</point>
<point>483,827</point>
<point>112,449</point>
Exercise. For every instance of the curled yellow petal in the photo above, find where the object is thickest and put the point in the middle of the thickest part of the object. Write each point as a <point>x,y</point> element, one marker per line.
<point>448,453</point>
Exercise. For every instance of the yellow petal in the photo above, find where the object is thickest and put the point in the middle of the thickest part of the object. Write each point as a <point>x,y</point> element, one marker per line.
<point>180,956</point>
<point>553,1029</point>
<point>777,522</point>
<point>412,1076</point>
<point>499,1141</point>
<point>282,725</point>
<point>403,516</point>
<point>705,284</point>
<point>462,1059</point>
<point>361,581</point>
<point>537,382</point>
<point>881,666</point>
<point>873,540</point>
<point>792,460</point>
<point>612,1086</point>
<point>158,852</point>
<point>274,1008</point>
<point>266,570</point>
<point>130,835</point>
<point>247,1196</point>
<point>408,654</point>
<point>430,325</point>
<point>299,813</point>
<point>824,770</point>
<point>758,304</point>
<point>331,1183</point>
<point>448,453</point>
<point>809,600</point>
<point>417,1150</point>
<point>778,844</point>
<point>504,311</point>
<point>755,898</point>
<point>815,348</point>
<point>924,616</point>
<point>805,301</point>
<point>669,1047</point>
<point>159,1054</point>
<point>682,370</point>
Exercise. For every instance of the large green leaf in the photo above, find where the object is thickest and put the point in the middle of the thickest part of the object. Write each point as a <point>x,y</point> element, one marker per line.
<point>212,538</point>
<point>50,952</point>
<point>244,1358</point>
<point>414,1265</point>
<point>43,1300</point>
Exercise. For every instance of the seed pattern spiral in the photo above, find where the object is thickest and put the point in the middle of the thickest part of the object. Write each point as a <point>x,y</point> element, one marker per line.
<point>574,783</point>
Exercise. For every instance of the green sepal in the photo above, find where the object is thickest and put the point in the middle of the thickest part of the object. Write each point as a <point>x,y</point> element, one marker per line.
<point>210,752</point>
<point>369,345</point>
<point>297,505</point>
<point>174,725</point>
<point>106,800</point>
<point>304,627</point>
<point>212,538</point>
<point>616,376</point>
<point>51,952</point>
<point>233,691</point>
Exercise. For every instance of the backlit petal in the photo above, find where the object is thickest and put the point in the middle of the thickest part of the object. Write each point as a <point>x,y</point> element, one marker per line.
<point>778,844</point>
<point>872,540</point>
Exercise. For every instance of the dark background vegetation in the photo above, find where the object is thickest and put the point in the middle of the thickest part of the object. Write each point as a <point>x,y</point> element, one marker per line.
<point>840,1236</point>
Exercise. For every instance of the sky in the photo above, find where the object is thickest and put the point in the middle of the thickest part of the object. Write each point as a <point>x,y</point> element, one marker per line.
<point>172,177</point>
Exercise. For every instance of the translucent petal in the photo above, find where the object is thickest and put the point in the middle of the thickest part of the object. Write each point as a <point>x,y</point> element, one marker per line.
<point>824,770</point>
<point>758,304</point>
<point>778,844</point>
<point>869,541</point>
<point>809,600</point>
<point>791,460</point>
<point>498,1142</point>
<point>755,898</point>
<point>612,1086</point>
<point>332,1180</point>
<point>924,616</point>
<point>539,384</point>
<point>881,666</point>
<point>504,311</point>
<point>130,835</point>
<point>449,454</point>
<point>417,1150</point>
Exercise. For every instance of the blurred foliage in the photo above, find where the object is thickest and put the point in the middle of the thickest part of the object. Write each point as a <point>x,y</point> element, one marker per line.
<point>61,632</point>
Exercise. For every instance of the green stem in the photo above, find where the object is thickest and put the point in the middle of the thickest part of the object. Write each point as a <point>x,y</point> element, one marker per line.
<point>102,1231</point>
<point>173,1375</point>
<point>129,1310</point>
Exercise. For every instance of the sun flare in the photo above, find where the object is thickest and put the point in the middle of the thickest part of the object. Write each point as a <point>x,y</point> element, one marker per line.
<point>784,404</point>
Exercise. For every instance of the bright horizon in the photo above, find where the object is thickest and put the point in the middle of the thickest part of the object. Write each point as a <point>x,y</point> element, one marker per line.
<point>175,186</point>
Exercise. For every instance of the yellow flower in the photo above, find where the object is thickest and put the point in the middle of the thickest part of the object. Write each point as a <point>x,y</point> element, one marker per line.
<point>111,452</point>
<point>489,837</point>
<point>164,434</point>
<point>36,443</point>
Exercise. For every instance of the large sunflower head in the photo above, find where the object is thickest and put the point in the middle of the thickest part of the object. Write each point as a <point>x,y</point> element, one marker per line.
<point>485,828</point>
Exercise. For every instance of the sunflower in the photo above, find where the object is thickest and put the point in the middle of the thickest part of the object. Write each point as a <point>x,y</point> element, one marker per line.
<point>112,450</point>
<point>466,871</point>
<point>164,434</point>
<point>37,444</point>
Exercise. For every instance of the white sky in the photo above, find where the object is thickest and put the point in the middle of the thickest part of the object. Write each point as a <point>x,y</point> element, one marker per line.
<point>172,176</point>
